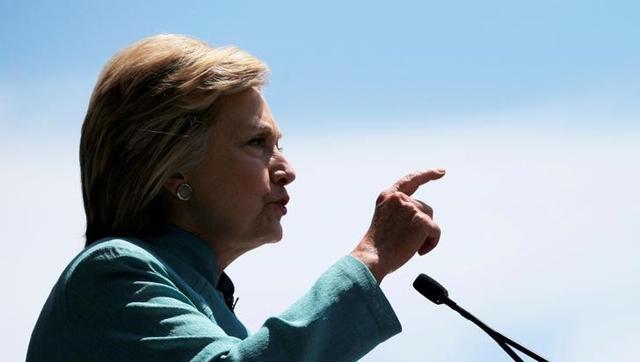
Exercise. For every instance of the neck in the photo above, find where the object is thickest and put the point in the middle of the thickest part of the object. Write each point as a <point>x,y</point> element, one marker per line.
<point>225,247</point>
<point>225,250</point>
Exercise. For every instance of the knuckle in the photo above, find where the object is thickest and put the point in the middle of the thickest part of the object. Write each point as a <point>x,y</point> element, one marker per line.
<point>437,231</point>
<point>430,227</point>
<point>396,196</point>
<point>420,219</point>
<point>424,207</point>
<point>408,177</point>
<point>413,174</point>
<point>384,195</point>
<point>428,209</point>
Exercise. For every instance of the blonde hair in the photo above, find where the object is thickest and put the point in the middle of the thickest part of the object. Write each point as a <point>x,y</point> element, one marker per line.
<point>147,120</point>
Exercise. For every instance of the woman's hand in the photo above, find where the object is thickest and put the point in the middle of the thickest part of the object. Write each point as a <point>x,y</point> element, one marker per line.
<point>401,226</point>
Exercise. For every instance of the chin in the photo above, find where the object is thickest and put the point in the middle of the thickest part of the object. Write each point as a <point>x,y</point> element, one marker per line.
<point>277,235</point>
<point>271,236</point>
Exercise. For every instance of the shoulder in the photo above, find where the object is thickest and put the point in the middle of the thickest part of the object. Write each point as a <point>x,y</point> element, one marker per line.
<point>114,248</point>
<point>124,258</point>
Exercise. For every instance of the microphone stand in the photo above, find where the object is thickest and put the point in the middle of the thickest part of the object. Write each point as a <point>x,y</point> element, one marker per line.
<point>504,342</point>
<point>436,293</point>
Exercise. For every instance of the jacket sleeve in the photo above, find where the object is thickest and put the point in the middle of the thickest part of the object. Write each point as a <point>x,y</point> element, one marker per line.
<point>123,306</point>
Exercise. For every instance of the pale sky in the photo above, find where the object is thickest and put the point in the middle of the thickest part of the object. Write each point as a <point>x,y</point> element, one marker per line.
<point>532,108</point>
<point>538,238</point>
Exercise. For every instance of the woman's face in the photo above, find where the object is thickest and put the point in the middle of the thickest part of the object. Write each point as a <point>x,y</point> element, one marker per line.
<point>239,191</point>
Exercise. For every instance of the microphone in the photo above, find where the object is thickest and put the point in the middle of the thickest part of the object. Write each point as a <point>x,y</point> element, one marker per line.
<point>431,289</point>
<point>438,294</point>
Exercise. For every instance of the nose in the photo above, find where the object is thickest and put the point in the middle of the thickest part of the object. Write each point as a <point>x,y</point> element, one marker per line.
<point>282,172</point>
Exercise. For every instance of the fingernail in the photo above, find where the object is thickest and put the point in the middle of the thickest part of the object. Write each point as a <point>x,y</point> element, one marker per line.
<point>441,170</point>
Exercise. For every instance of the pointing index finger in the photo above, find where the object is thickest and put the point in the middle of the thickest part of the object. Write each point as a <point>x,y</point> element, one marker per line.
<point>410,183</point>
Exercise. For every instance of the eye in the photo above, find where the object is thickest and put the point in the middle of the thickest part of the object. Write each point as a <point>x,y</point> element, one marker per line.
<point>258,142</point>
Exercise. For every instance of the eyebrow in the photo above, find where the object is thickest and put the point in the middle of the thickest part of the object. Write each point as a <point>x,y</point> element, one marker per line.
<point>266,128</point>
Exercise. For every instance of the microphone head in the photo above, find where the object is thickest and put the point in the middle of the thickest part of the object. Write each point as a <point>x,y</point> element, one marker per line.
<point>431,289</point>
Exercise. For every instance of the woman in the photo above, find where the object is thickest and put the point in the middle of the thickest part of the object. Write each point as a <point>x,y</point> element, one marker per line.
<point>181,175</point>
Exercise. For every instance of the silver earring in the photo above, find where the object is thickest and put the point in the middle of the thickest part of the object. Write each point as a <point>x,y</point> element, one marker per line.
<point>184,192</point>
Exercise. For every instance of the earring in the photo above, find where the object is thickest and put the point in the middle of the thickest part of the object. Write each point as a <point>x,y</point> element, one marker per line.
<point>184,192</point>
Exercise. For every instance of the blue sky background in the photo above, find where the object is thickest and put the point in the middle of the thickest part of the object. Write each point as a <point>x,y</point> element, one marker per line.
<point>359,61</point>
<point>532,106</point>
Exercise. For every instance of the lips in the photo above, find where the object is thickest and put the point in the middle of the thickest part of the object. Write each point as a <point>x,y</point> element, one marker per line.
<point>281,203</point>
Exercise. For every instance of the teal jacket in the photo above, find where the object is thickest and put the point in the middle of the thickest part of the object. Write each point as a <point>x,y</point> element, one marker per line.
<point>125,299</point>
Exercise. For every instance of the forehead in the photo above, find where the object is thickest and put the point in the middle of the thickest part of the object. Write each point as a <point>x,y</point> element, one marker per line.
<point>246,111</point>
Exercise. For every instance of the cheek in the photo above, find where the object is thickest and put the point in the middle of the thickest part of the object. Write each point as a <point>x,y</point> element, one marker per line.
<point>252,178</point>
<point>244,191</point>
<point>236,186</point>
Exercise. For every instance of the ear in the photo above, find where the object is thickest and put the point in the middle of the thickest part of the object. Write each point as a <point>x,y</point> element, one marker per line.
<point>172,183</point>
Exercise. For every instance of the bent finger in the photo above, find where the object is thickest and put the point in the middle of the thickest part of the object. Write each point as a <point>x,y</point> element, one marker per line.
<point>432,240</point>
<point>423,207</point>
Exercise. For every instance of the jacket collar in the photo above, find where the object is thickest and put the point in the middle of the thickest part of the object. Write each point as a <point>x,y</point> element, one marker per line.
<point>194,251</point>
<point>189,248</point>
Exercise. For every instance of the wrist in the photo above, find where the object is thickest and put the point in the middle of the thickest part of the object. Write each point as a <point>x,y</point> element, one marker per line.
<point>370,259</point>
